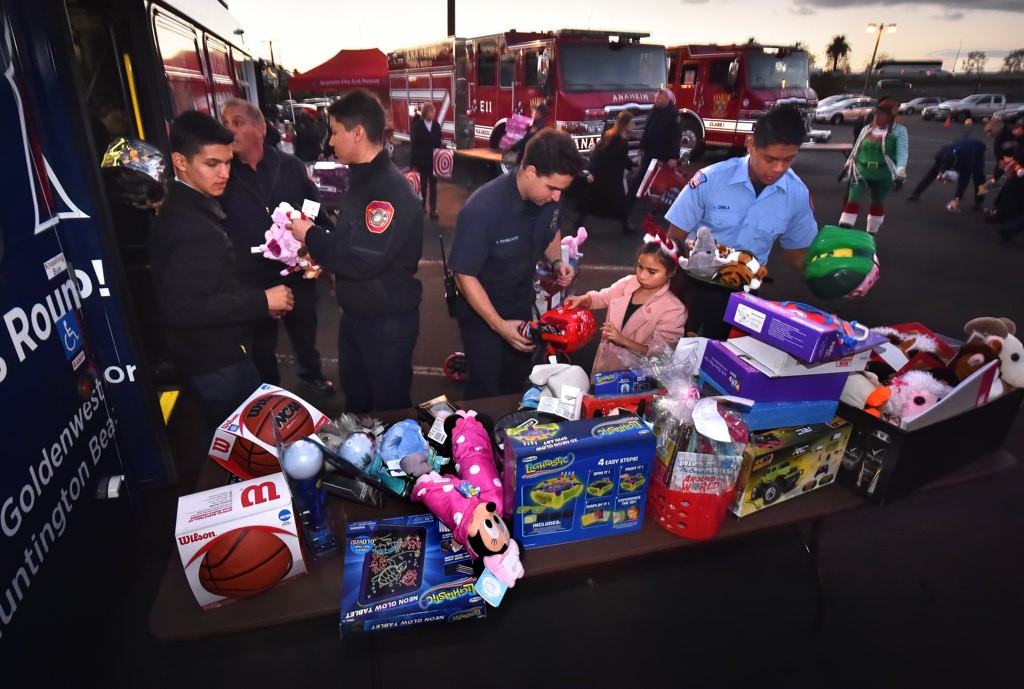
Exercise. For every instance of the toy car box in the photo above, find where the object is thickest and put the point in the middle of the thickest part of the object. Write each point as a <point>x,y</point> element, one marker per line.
<point>404,572</point>
<point>793,331</point>
<point>884,462</point>
<point>773,362</point>
<point>731,371</point>
<point>238,540</point>
<point>784,463</point>
<point>575,480</point>
<point>622,382</point>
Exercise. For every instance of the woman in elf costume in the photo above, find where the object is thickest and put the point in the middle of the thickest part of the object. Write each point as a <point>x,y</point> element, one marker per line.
<point>877,165</point>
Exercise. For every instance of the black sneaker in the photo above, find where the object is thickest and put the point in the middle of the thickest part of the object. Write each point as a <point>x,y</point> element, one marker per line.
<point>321,386</point>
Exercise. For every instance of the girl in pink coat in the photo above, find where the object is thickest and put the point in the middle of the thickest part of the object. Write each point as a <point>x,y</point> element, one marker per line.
<point>643,314</point>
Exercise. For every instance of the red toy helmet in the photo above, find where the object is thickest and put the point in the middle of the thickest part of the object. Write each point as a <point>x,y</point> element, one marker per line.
<point>563,330</point>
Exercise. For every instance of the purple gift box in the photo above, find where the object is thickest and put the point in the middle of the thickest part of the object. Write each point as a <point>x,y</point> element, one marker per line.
<point>793,332</point>
<point>724,366</point>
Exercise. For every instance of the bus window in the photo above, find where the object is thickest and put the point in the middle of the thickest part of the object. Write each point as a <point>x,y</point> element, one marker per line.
<point>224,88</point>
<point>183,65</point>
<point>105,95</point>
<point>487,63</point>
<point>508,70</point>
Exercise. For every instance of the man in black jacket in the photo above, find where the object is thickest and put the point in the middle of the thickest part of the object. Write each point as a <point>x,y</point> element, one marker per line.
<point>661,138</point>
<point>262,177</point>
<point>208,312</point>
<point>374,253</point>
<point>425,136</point>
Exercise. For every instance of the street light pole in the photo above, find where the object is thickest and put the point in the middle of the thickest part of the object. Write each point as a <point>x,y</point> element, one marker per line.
<point>878,39</point>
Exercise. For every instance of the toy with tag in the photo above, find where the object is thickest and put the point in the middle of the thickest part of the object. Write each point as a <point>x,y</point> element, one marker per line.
<point>471,503</point>
<point>281,246</point>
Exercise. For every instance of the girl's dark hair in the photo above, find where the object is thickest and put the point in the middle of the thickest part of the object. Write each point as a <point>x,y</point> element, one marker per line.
<point>654,248</point>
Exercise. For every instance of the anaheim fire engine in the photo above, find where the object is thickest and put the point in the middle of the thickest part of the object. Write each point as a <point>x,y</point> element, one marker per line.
<point>721,90</point>
<point>585,77</point>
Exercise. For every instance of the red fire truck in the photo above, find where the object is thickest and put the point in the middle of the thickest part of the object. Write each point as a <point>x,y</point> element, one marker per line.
<point>721,90</point>
<point>476,84</point>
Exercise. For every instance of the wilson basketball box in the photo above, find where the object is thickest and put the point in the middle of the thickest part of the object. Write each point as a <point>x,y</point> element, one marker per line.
<point>239,540</point>
<point>246,443</point>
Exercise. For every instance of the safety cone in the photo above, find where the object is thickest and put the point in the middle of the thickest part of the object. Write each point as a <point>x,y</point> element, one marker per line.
<point>948,121</point>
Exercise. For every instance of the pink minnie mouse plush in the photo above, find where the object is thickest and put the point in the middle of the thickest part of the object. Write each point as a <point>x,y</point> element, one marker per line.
<point>470,503</point>
<point>282,246</point>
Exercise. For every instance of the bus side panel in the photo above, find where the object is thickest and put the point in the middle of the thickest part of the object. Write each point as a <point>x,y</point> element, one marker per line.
<point>62,320</point>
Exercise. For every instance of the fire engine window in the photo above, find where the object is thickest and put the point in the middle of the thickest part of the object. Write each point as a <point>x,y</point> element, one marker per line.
<point>719,73</point>
<point>673,60</point>
<point>531,78</point>
<point>508,70</point>
<point>487,64</point>
<point>689,74</point>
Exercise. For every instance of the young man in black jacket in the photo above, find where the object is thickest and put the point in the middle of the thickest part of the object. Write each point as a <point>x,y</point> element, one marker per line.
<point>374,253</point>
<point>208,312</point>
<point>262,177</point>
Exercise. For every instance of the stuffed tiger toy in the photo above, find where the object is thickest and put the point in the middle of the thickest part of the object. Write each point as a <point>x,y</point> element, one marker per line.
<point>743,271</point>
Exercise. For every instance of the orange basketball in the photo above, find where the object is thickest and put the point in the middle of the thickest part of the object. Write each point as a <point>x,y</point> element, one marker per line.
<point>287,414</point>
<point>244,562</point>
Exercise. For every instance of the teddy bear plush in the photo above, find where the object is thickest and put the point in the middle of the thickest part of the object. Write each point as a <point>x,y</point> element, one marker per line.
<point>1001,335</point>
<point>742,270</point>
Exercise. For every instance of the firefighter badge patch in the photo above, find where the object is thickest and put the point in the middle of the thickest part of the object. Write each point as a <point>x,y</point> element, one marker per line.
<point>697,179</point>
<point>378,216</point>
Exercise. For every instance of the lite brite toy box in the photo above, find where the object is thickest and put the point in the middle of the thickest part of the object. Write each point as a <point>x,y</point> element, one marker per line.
<point>798,329</point>
<point>404,572</point>
<point>246,443</point>
<point>785,463</point>
<point>575,480</point>
<point>239,540</point>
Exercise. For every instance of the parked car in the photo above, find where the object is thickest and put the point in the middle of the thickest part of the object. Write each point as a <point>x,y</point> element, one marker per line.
<point>845,110</point>
<point>916,105</point>
<point>938,112</point>
<point>831,100</point>
<point>979,105</point>
<point>1010,116</point>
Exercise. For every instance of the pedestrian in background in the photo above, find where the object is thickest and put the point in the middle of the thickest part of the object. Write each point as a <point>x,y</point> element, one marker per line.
<point>540,121</point>
<point>876,166</point>
<point>966,158</point>
<point>425,136</point>
<point>605,194</point>
<point>661,138</point>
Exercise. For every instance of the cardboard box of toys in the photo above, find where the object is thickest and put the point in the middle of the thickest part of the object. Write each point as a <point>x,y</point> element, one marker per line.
<point>246,443</point>
<point>576,480</point>
<point>884,461</point>
<point>239,540</point>
<point>798,329</point>
<point>404,572</point>
<point>773,362</point>
<point>785,463</point>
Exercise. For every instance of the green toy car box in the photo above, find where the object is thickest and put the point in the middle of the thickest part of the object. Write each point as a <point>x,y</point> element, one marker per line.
<point>576,480</point>
<point>784,463</point>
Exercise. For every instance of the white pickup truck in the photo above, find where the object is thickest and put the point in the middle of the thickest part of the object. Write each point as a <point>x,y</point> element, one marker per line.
<point>979,105</point>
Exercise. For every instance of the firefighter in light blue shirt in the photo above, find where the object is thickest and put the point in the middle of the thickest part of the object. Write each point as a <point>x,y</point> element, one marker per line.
<point>748,203</point>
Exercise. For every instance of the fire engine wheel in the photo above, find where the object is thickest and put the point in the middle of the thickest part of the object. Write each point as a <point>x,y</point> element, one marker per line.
<point>691,139</point>
<point>455,366</point>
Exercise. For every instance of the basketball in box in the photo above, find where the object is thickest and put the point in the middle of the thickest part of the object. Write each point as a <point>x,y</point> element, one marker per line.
<point>575,480</point>
<point>798,329</point>
<point>246,443</point>
<point>239,540</point>
<point>404,572</point>
<point>731,371</point>
<point>884,462</point>
<point>785,463</point>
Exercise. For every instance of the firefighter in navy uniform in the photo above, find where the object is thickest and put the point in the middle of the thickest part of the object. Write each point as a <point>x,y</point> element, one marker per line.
<point>500,233</point>
<point>374,253</point>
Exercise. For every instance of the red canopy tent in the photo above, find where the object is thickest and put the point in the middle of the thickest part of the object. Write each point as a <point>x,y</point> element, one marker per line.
<point>347,70</point>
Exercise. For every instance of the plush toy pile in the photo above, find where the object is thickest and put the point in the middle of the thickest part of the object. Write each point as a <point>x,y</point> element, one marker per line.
<point>934,368</point>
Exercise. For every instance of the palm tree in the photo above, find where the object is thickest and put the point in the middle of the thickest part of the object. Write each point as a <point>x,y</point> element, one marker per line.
<point>837,50</point>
